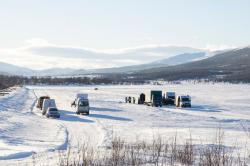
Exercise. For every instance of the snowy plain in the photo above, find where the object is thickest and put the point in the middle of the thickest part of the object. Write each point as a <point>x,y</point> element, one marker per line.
<point>25,133</point>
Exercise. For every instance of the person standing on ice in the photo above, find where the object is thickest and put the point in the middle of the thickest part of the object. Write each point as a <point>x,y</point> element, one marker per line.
<point>129,99</point>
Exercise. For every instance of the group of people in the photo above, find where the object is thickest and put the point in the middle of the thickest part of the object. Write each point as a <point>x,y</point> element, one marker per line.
<point>141,99</point>
<point>130,99</point>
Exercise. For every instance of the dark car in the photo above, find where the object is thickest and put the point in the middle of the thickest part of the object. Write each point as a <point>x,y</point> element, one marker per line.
<point>52,112</point>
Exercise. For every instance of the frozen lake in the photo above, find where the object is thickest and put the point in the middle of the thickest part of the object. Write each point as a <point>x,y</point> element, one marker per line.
<point>25,132</point>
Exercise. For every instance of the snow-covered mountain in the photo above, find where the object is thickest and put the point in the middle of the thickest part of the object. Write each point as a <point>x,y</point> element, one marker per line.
<point>232,66</point>
<point>173,60</point>
<point>170,61</point>
<point>55,72</point>
<point>168,56</point>
<point>149,53</point>
<point>6,68</point>
<point>9,69</point>
<point>180,59</point>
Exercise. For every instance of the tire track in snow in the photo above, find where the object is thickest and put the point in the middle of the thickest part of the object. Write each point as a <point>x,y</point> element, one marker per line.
<point>107,135</point>
<point>18,100</point>
<point>79,128</point>
<point>64,145</point>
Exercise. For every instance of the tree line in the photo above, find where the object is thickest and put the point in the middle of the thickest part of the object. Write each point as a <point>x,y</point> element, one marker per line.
<point>8,81</point>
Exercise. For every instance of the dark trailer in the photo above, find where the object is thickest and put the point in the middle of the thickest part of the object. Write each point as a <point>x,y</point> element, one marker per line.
<point>156,98</point>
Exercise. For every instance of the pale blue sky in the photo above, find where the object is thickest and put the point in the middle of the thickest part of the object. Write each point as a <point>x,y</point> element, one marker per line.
<point>136,31</point>
<point>108,24</point>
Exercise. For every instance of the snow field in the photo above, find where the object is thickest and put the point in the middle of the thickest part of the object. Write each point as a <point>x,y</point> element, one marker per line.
<point>25,132</point>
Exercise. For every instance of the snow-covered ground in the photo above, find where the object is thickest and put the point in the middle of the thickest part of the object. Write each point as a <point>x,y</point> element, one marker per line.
<point>25,133</point>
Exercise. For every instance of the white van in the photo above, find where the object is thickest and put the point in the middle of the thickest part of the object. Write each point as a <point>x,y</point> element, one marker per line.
<point>82,95</point>
<point>81,104</point>
<point>183,101</point>
<point>47,103</point>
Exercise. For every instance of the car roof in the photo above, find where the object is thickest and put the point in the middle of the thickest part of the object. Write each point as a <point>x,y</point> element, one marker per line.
<point>49,100</point>
<point>82,99</point>
<point>52,108</point>
<point>44,97</point>
<point>185,96</point>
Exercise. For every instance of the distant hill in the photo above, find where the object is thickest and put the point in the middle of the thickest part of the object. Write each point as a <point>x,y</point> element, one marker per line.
<point>6,68</point>
<point>55,72</point>
<point>4,73</point>
<point>132,53</point>
<point>9,69</point>
<point>173,60</point>
<point>180,59</point>
<point>153,70</point>
<point>233,66</point>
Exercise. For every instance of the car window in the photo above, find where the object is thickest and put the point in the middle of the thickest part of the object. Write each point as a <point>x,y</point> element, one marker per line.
<point>52,109</point>
<point>83,103</point>
<point>185,99</point>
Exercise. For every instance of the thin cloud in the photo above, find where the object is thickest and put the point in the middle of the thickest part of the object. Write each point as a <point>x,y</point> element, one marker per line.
<point>212,47</point>
<point>40,54</point>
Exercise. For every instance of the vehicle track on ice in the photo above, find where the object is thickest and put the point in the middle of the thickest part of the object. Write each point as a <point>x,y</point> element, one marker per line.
<point>80,129</point>
<point>23,133</point>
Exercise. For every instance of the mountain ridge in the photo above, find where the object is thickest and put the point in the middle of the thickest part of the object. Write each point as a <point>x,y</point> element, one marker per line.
<point>233,65</point>
<point>171,52</point>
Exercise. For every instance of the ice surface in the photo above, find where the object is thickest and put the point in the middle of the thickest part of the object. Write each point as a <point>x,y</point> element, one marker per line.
<point>24,132</point>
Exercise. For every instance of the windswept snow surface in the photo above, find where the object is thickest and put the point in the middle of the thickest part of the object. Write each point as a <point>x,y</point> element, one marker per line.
<point>25,133</point>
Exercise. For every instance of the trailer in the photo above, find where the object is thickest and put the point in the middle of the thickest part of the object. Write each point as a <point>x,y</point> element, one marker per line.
<point>40,101</point>
<point>155,98</point>
<point>141,99</point>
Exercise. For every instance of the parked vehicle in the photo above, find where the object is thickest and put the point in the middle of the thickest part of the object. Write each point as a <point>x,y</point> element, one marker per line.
<point>47,103</point>
<point>183,101</point>
<point>82,95</point>
<point>142,98</point>
<point>155,99</point>
<point>39,103</point>
<point>81,104</point>
<point>169,98</point>
<point>52,112</point>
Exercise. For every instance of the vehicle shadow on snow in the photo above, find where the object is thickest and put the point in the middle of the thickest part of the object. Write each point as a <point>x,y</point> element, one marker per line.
<point>12,140</point>
<point>101,116</point>
<point>104,109</point>
<point>206,108</point>
<point>72,117</point>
